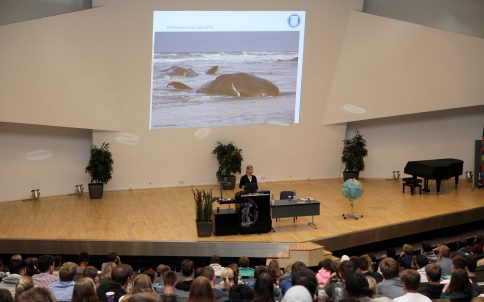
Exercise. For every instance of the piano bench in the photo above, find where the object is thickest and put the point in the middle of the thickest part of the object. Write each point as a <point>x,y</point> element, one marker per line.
<point>412,183</point>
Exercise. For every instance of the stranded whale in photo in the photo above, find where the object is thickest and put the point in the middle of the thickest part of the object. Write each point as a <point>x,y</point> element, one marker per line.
<point>240,85</point>
<point>236,84</point>
<point>180,72</point>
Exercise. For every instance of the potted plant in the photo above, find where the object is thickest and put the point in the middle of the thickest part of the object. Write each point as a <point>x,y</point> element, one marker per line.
<point>100,168</point>
<point>203,211</point>
<point>354,150</point>
<point>229,159</point>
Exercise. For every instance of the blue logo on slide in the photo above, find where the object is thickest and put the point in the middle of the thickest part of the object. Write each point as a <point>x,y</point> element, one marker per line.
<point>294,20</point>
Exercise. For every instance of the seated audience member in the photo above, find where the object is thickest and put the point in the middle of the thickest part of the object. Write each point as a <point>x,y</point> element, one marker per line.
<point>5,295</point>
<point>459,287</point>
<point>471,267</point>
<point>235,268</point>
<point>391,286</point>
<point>32,266</point>
<point>240,293</point>
<point>83,262</point>
<point>215,264</point>
<point>443,259</point>
<point>119,279</point>
<point>17,268</point>
<point>187,273</point>
<point>410,282</point>
<point>286,284</point>
<point>390,253</point>
<point>62,289</point>
<point>263,288</point>
<point>463,249</point>
<point>91,272</point>
<point>16,257</point>
<point>358,287</point>
<point>363,265</point>
<point>209,273</point>
<point>458,262</point>
<point>107,271</point>
<point>84,291</point>
<point>141,284</point>
<point>405,259</point>
<point>274,272</point>
<point>345,268</point>
<point>36,294</point>
<point>160,270</point>
<point>433,289</point>
<point>112,257</point>
<point>287,273</point>
<point>426,250</point>
<point>257,272</point>
<point>46,276</point>
<point>307,278</point>
<point>324,271</point>
<point>297,293</point>
<point>24,283</point>
<point>150,273</point>
<point>168,291</point>
<point>274,265</point>
<point>57,264</point>
<point>228,280</point>
<point>420,262</point>
<point>201,291</point>
<point>372,283</point>
<point>244,270</point>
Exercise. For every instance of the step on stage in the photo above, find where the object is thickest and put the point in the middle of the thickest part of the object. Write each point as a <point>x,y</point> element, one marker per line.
<point>161,222</point>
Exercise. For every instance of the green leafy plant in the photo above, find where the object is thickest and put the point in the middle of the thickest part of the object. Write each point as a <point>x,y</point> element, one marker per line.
<point>203,205</point>
<point>354,151</point>
<point>229,159</point>
<point>100,166</point>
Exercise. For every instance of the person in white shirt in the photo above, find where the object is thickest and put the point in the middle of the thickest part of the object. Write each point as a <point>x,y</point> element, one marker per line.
<point>410,282</point>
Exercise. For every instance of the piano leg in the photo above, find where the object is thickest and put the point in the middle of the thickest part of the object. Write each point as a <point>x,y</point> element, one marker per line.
<point>456,180</point>
<point>426,185</point>
<point>437,181</point>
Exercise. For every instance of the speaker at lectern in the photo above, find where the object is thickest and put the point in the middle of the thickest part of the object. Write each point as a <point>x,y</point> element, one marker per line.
<point>254,213</point>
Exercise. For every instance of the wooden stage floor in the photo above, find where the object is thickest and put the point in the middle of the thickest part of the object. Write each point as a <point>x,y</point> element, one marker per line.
<point>161,221</point>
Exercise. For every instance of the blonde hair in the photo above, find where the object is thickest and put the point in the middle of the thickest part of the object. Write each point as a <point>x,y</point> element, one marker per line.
<point>24,283</point>
<point>106,273</point>
<point>407,249</point>
<point>142,283</point>
<point>372,285</point>
<point>227,275</point>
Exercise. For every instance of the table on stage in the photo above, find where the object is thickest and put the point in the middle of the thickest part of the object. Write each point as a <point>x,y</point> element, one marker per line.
<point>437,169</point>
<point>296,208</point>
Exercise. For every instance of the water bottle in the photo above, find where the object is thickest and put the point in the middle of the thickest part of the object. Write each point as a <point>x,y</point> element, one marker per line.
<point>272,199</point>
<point>294,197</point>
<point>338,292</point>
<point>322,297</point>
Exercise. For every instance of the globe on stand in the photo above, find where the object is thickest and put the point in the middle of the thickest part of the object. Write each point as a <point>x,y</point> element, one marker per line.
<point>352,189</point>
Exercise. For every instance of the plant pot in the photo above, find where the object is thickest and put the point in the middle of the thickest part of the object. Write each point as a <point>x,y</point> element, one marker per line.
<point>204,229</point>
<point>96,191</point>
<point>228,182</point>
<point>350,174</point>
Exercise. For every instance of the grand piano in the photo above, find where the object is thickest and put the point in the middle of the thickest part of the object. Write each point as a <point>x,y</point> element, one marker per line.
<point>437,169</point>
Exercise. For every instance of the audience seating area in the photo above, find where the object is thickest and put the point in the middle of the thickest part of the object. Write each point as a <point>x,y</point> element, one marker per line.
<point>450,271</point>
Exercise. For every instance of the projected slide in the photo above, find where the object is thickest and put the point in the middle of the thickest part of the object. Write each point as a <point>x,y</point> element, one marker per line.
<point>226,68</point>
